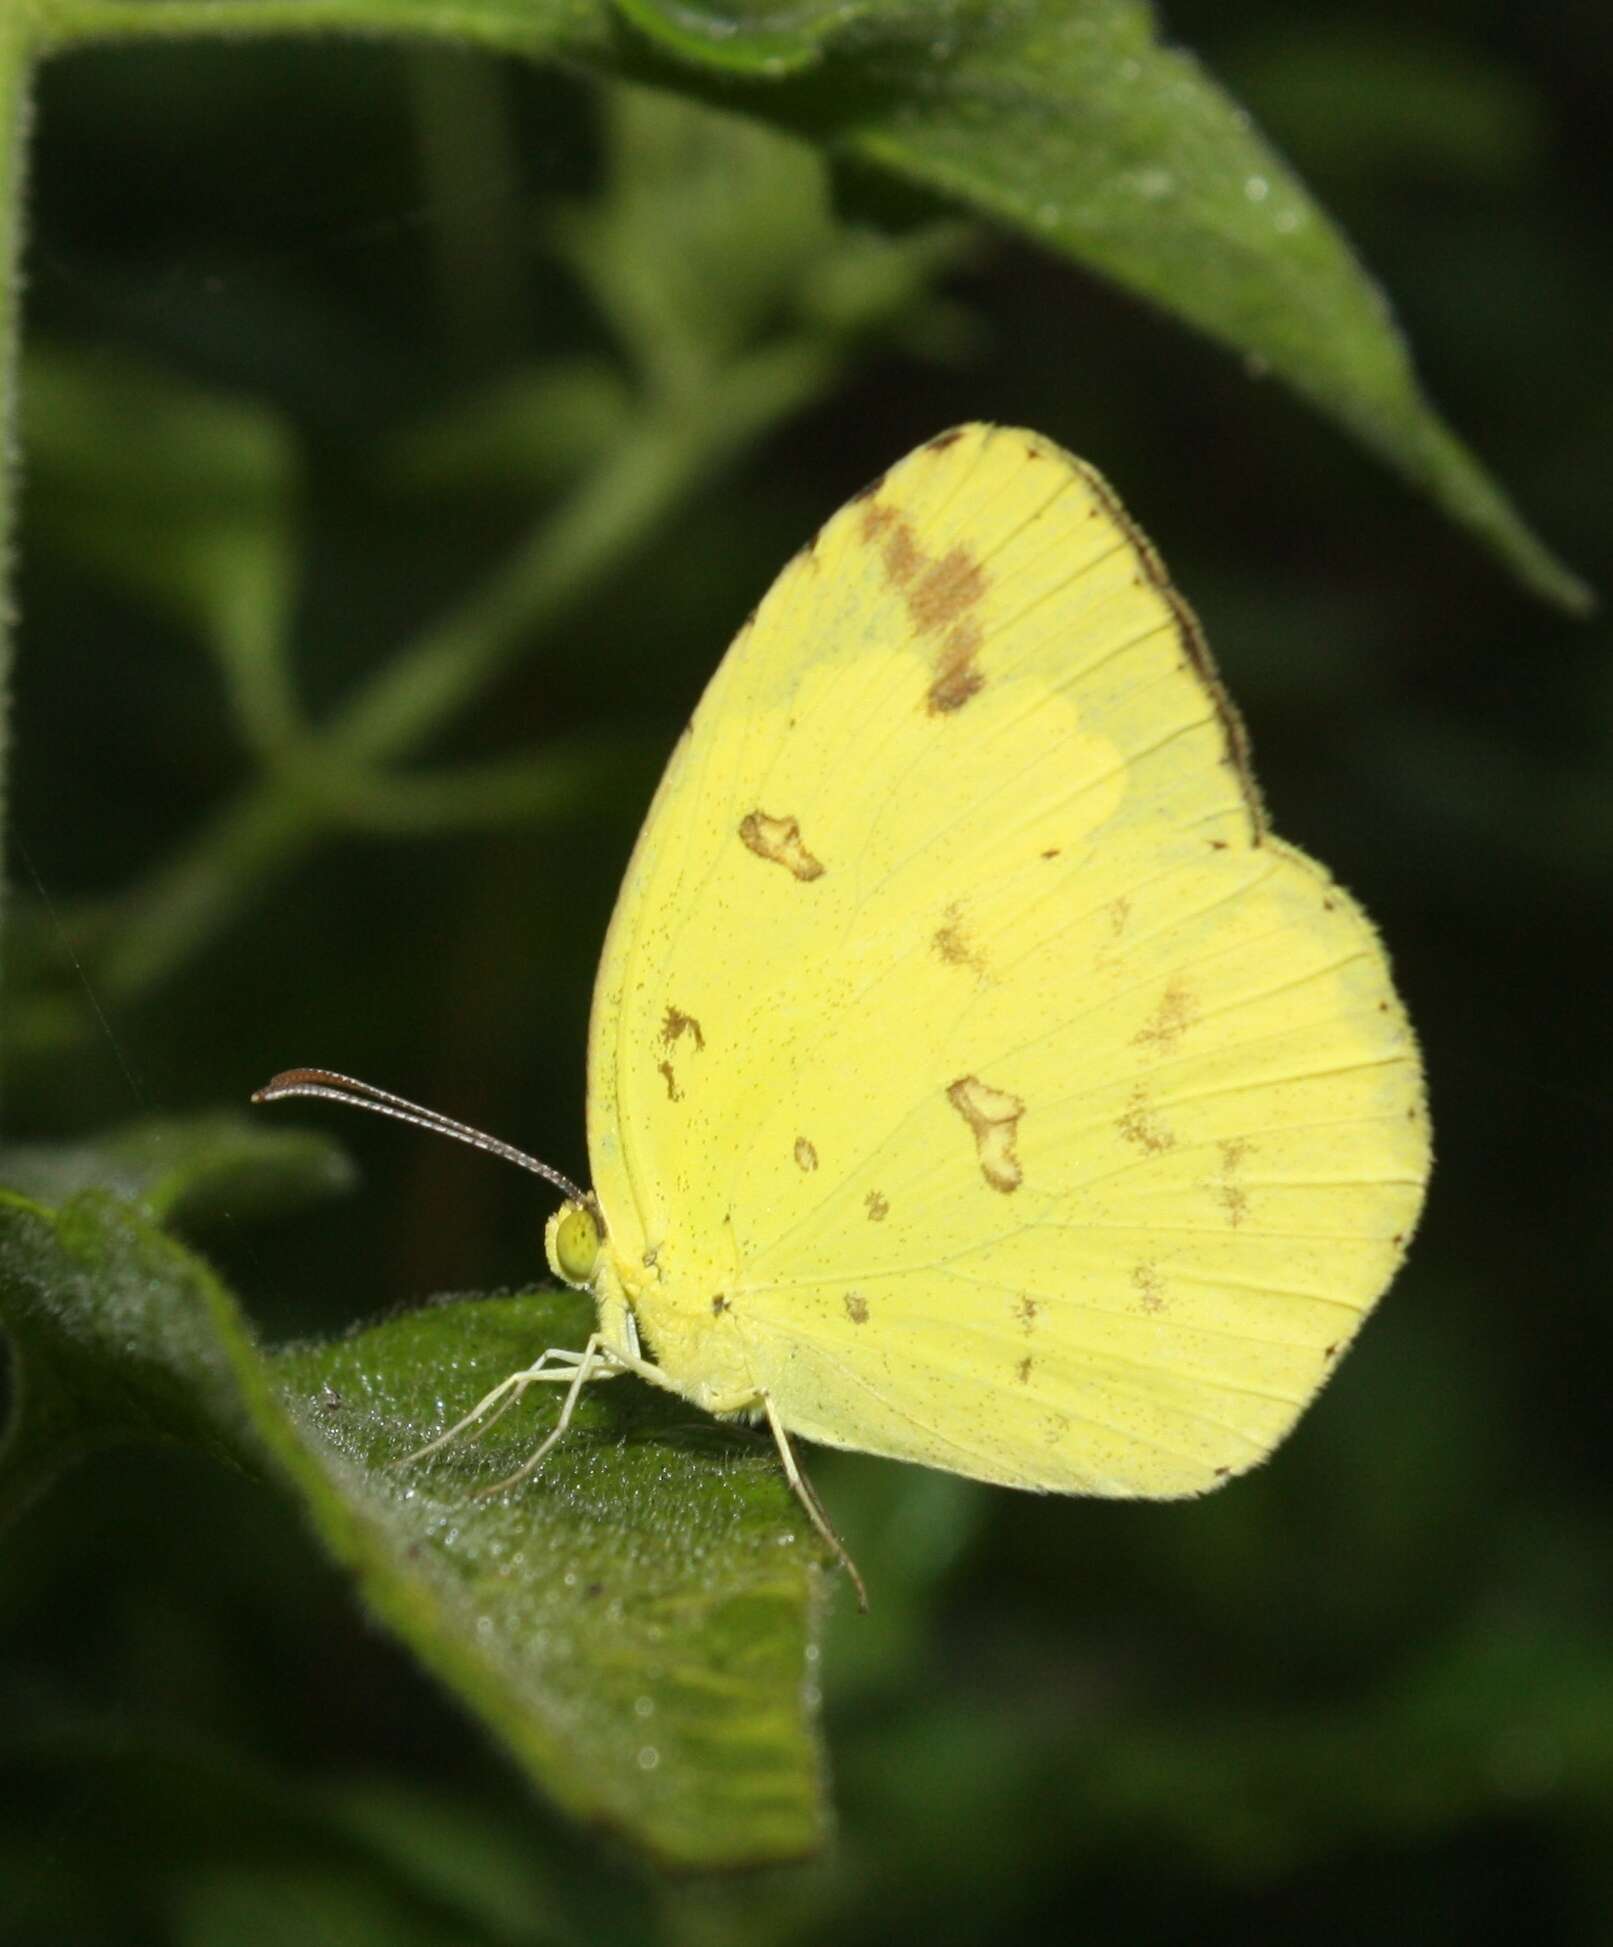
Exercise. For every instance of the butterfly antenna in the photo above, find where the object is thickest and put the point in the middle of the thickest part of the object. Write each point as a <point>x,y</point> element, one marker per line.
<point>332,1087</point>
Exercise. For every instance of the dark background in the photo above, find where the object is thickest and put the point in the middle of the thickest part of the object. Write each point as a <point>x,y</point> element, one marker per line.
<point>1365,1693</point>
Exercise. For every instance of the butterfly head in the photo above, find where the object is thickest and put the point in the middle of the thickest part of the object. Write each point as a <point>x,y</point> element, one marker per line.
<point>572,1240</point>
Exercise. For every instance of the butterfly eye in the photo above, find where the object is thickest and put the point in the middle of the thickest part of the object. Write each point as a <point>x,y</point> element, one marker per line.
<point>572,1239</point>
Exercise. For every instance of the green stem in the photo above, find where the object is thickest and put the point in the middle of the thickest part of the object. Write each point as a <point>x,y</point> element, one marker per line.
<point>249,642</point>
<point>16,75</point>
<point>574,27</point>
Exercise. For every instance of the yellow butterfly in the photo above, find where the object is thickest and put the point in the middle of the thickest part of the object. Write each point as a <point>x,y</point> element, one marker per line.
<point>972,1078</point>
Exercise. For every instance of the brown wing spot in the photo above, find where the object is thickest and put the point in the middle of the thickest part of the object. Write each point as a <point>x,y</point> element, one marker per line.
<point>1229,1192</point>
<point>805,1155</point>
<point>1052,852</point>
<point>1221,1473</point>
<point>868,492</point>
<point>1218,845</point>
<point>945,589</point>
<point>993,1115</point>
<point>956,676</point>
<point>1150,1286</point>
<point>1119,911</point>
<point>904,558</point>
<point>673,1092</point>
<point>1141,1125</point>
<point>1022,1371</point>
<point>878,1207</point>
<point>778,840</point>
<point>953,944</point>
<point>939,593</point>
<point>1025,1311</point>
<point>856,1307</point>
<point>719,1305</point>
<point>1175,1014</point>
<point>943,440</point>
<point>678,1023</point>
<point>1329,1351</point>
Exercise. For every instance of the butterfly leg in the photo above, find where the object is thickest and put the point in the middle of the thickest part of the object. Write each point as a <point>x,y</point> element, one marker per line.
<point>555,1366</point>
<point>593,1362</point>
<point>804,1493</point>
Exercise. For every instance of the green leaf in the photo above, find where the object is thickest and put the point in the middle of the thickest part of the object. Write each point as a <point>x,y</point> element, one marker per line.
<point>1065,119</point>
<point>193,508</point>
<point>211,478</point>
<point>185,1169</point>
<point>1075,125</point>
<point>637,1625</point>
<point>761,37</point>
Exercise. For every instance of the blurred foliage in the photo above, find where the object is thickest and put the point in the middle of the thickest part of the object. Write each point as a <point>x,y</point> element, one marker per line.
<point>387,495</point>
<point>1072,121</point>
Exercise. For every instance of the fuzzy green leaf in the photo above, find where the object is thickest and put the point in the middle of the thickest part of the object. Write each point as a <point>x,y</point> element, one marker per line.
<point>637,1625</point>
